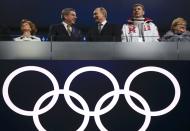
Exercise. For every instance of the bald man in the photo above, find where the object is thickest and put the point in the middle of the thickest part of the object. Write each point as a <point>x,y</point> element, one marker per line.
<point>103,31</point>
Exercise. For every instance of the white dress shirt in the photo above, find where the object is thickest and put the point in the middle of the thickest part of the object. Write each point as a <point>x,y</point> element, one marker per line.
<point>103,24</point>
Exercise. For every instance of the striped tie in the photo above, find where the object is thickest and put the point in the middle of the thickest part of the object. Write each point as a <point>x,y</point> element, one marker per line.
<point>69,30</point>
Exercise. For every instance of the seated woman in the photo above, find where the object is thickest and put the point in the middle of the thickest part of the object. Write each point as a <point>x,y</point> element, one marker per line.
<point>178,31</point>
<point>28,30</point>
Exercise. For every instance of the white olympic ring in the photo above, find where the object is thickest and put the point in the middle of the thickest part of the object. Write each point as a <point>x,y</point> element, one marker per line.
<point>95,69</point>
<point>97,111</point>
<point>23,69</point>
<point>159,70</point>
<point>51,93</point>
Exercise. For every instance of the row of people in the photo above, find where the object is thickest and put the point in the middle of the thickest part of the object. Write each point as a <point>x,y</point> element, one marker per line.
<point>137,29</point>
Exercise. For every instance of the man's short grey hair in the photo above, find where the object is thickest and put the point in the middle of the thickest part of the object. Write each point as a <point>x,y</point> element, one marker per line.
<point>103,10</point>
<point>66,11</point>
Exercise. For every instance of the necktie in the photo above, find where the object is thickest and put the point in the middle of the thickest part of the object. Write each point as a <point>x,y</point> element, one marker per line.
<point>69,30</point>
<point>99,27</point>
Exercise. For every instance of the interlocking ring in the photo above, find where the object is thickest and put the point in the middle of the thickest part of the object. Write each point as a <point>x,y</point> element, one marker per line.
<point>159,70</point>
<point>85,111</point>
<point>24,69</point>
<point>94,69</point>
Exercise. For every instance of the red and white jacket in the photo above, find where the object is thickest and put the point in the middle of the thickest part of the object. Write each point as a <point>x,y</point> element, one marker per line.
<point>132,33</point>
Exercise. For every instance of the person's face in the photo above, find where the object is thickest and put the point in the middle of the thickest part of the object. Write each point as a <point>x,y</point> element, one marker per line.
<point>138,12</point>
<point>180,29</point>
<point>71,18</point>
<point>26,27</point>
<point>98,16</point>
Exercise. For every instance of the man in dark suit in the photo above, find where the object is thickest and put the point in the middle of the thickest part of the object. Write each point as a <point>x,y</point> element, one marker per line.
<point>103,31</point>
<point>65,31</point>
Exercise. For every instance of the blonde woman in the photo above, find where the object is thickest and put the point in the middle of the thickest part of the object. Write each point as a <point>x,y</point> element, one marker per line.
<point>178,31</point>
<point>28,30</point>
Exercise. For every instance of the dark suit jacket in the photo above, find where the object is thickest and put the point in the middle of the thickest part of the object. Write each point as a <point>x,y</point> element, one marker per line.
<point>59,33</point>
<point>109,33</point>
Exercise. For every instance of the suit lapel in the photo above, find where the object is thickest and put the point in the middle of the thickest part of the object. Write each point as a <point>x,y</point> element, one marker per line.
<point>104,28</point>
<point>96,30</point>
<point>65,31</point>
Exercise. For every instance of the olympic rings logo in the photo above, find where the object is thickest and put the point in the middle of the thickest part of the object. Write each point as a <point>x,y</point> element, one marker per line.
<point>85,111</point>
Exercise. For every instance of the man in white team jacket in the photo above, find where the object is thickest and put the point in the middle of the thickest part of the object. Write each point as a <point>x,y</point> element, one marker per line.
<point>139,29</point>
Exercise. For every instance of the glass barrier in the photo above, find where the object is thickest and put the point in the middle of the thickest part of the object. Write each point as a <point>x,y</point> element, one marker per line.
<point>94,50</point>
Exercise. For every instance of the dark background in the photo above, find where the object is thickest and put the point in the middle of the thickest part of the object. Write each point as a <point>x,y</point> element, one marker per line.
<point>47,12</point>
<point>156,89</point>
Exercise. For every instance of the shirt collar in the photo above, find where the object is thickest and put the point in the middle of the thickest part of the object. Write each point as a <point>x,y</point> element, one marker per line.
<point>104,22</point>
<point>65,24</point>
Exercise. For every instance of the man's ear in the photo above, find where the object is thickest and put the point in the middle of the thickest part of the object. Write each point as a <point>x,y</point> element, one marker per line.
<point>63,17</point>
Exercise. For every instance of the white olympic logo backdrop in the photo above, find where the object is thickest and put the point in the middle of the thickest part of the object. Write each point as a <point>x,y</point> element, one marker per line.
<point>97,111</point>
